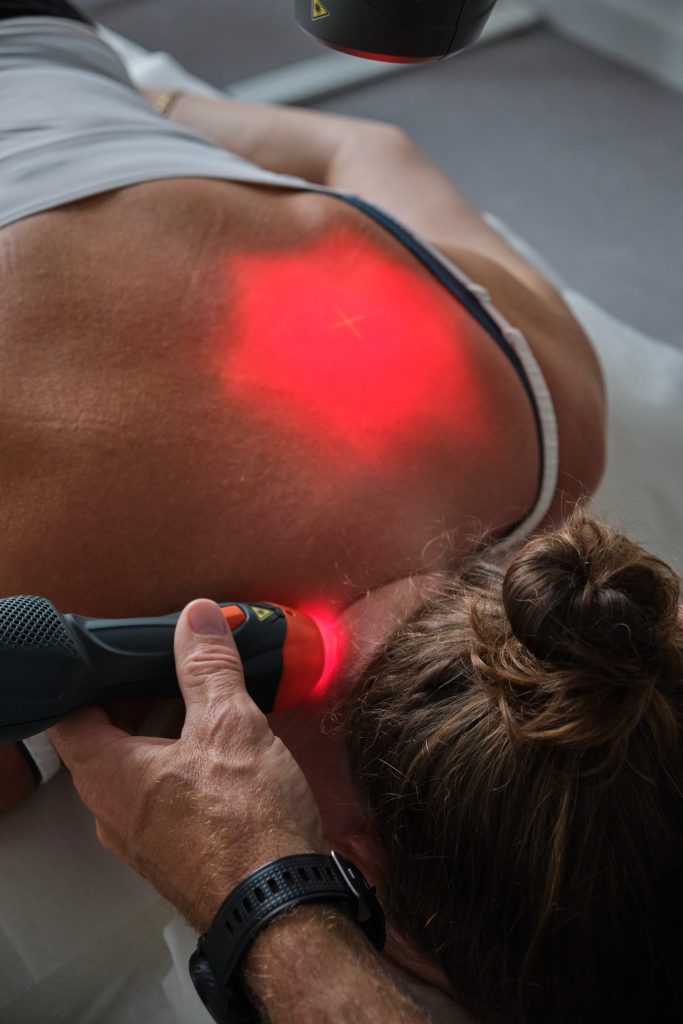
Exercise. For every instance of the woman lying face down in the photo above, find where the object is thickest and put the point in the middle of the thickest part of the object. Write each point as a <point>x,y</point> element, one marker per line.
<point>518,747</point>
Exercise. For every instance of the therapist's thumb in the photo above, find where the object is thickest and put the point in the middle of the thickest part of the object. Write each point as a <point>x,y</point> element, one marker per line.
<point>208,664</point>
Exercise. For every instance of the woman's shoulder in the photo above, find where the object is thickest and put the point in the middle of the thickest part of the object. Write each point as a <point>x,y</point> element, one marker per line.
<point>567,360</point>
<point>529,303</point>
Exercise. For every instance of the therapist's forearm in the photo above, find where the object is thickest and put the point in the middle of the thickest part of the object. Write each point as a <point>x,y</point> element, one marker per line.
<point>313,965</point>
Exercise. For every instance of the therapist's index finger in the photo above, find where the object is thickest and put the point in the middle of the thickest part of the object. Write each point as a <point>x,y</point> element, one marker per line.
<point>86,739</point>
<point>105,764</point>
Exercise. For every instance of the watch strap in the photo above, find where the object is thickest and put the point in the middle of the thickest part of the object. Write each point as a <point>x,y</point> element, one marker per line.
<point>274,888</point>
<point>270,890</point>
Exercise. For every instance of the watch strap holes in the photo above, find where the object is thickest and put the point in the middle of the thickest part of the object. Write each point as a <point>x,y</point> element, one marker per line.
<point>275,887</point>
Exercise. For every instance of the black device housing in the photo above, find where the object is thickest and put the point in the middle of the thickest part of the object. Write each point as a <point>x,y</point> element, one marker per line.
<point>404,31</point>
<point>52,665</point>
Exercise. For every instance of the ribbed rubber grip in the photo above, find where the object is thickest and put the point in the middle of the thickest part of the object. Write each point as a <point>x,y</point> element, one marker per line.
<point>27,621</point>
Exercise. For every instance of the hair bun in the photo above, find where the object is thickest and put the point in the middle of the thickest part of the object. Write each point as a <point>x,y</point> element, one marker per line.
<point>587,596</point>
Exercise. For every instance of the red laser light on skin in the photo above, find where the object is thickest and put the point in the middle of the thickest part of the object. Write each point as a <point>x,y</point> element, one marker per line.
<point>346,343</point>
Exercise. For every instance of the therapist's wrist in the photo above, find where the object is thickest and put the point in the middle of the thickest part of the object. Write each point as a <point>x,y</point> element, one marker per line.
<point>313,963</point>
<point>219,880</point>
<point>298,928</point>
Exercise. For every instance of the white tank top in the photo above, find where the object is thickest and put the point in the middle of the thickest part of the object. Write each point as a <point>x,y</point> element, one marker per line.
<point>73,125</point>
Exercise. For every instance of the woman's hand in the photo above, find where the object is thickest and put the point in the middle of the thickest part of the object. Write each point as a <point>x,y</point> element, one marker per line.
<point>195,815</point>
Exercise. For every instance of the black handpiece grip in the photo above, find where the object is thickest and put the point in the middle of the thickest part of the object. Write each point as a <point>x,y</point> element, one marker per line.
<point>52,665</point>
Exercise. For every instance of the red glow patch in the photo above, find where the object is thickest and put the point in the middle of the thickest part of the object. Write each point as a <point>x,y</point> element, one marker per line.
<point>334,643</point>
<point>341,342</point>
<point>387,58</point>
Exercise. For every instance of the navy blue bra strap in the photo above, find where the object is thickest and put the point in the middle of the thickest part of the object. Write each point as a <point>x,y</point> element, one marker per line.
<point>470,303</point>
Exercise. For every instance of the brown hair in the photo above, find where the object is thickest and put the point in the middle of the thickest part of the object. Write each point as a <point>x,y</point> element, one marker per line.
<point>519,747</point>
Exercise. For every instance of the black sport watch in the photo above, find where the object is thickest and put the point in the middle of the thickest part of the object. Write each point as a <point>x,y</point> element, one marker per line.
<point>277,886</point>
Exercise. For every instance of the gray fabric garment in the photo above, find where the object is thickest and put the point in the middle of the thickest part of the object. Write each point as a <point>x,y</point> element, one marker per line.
<point>97,123</point>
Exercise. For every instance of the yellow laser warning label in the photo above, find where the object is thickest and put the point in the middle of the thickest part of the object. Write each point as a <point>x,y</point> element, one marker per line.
<point>318,9</point>
<point>261,613</point>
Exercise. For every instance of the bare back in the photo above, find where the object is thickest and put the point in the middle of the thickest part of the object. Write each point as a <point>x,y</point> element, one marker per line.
<point>206,391</point>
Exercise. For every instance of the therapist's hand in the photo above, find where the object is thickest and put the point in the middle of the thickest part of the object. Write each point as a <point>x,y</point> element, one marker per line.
<point>197,814</point>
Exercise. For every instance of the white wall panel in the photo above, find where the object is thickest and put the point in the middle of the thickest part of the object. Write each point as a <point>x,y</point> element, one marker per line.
<point>648,34</point>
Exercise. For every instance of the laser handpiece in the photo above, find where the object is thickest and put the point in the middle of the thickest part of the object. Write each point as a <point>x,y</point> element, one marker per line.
<point>404,31</point>
<point>52,665</point>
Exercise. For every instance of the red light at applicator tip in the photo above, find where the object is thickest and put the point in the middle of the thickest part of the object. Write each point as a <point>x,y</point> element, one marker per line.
<point>312,653</point>
<point>334,644</point>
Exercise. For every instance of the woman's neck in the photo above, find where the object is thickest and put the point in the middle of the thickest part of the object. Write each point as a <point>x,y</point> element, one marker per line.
<point>310,732</point>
